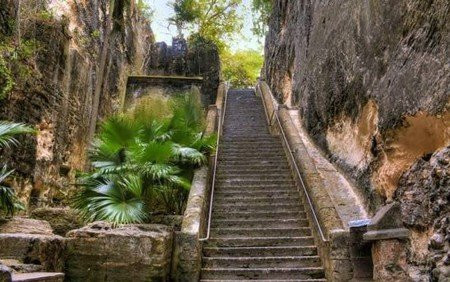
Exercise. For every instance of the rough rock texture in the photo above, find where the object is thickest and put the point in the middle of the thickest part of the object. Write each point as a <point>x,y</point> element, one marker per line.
<point>45,250</point>
<point>77,76</point>
<point>371,81</point>
<point>99,252</point>
<point>424,194</point>
<point>61,220</point>
<point>25,225</point>
<point>5,273</point>
<point>389,260</point>
<point>370,78</point>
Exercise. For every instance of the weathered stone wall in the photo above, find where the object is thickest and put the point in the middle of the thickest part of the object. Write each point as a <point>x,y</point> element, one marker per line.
<point>78,75</point>
<point>371,81</point>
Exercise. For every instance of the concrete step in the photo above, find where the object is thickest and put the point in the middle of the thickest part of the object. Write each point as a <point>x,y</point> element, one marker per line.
<point>260,251</point>
<point>218,214</point>
<point>234,232</point>
<point>259,223</point>
<point>261,262</point>
<point>263,273</point>
<point>38,277</point>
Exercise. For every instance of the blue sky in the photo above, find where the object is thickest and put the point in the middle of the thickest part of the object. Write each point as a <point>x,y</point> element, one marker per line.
<point>163,32</point>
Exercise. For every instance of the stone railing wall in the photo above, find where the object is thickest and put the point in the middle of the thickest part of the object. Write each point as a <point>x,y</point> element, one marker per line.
<point>187,257</point>
<point>335,250</point>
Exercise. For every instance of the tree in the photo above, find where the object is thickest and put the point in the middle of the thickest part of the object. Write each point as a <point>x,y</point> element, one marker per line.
<point>261,13</point>
<point>242,68</point>
<point>215,20</point>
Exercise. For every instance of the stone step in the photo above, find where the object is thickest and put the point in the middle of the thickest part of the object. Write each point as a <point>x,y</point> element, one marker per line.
<point>277,241</point>
<point>233,232</point>
<point>260,251</point>
<point>254,183</point>
<point>259,223</point>
<point>261,262</point>
<point>266,280</point>
<point>243,193</point>
<point>219,199</point>
<point>253,157</point>
<point>255,188</point>
<point>255,171</point>
<point>20,267</point>
<point>263,273</point>
<point>276,214</point>
<point>254,176</point>
<point>248,151</point>
<point>252,140</point>
<point>252,163</point>
<point>219,207</point>
<point>38,277</point>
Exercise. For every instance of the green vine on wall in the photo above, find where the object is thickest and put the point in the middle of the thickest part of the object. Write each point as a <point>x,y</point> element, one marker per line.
<point>6,80</point>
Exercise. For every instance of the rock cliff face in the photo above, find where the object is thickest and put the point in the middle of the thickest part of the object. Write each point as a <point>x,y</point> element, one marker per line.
<point>78,69</point>
<point>371,81</point>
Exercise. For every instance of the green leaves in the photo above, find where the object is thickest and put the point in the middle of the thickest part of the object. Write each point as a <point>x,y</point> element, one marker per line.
<point>8,200</point>
<point>242,68</point>
<point>9,130</point>
<point>140,164</point>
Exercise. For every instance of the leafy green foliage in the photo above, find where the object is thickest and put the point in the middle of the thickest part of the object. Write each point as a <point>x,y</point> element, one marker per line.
<point>261,13</point>
<point>8,131</point>
<point>215,20</point>
<point>6,80</point>
<point>242,68</point>
<point>141,163</point>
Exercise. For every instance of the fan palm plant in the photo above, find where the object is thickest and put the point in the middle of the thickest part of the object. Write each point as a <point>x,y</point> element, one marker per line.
<point>8,133</point>
<point>155,157</point>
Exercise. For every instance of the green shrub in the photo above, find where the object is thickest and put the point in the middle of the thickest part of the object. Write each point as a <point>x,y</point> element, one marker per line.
<point>143,162</point>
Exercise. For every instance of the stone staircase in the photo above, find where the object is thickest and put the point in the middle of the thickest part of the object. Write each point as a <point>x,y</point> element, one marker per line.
<point>259,229</point>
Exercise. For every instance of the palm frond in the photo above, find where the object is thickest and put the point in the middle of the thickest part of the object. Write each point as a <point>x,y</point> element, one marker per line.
<point>8,131</point>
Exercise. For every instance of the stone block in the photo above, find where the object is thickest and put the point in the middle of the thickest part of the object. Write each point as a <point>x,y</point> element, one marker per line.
<point>134,252</point>
<point>46,250</point>
<point>25,225</point>
<point>62,220</point>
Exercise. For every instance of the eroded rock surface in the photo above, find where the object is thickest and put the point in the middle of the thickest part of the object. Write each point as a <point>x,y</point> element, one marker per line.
<point>424,193</point>
<point>371,81</point>
<point>61,220</point>
<point>137,252</point>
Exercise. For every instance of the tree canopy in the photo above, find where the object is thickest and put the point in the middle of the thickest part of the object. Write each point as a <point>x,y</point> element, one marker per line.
<point>242,68</point>
<point>215,20</point>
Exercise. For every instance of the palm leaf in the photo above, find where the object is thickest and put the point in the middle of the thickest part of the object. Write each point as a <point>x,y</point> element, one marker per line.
<point>8,131</point>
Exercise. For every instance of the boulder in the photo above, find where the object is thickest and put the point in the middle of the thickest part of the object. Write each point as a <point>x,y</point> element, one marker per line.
<point>25,225</point>
<point>134,252</point>
<point>62,220</point>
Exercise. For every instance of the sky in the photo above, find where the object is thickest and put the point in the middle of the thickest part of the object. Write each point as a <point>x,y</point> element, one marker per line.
<point>164,32</point>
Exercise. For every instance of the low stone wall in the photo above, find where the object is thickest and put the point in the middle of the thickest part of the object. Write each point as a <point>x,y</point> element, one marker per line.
<point>188,247</point>
<point>133,252</point>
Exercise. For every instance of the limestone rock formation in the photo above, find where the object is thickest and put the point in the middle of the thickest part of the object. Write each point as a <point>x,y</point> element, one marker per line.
<point>424,193</point>
<point>77,72</point>
<point>138,252</point>
<point>371,81</point>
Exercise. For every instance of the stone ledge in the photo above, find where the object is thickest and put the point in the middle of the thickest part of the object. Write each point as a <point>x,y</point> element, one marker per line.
<point>397,233</point>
